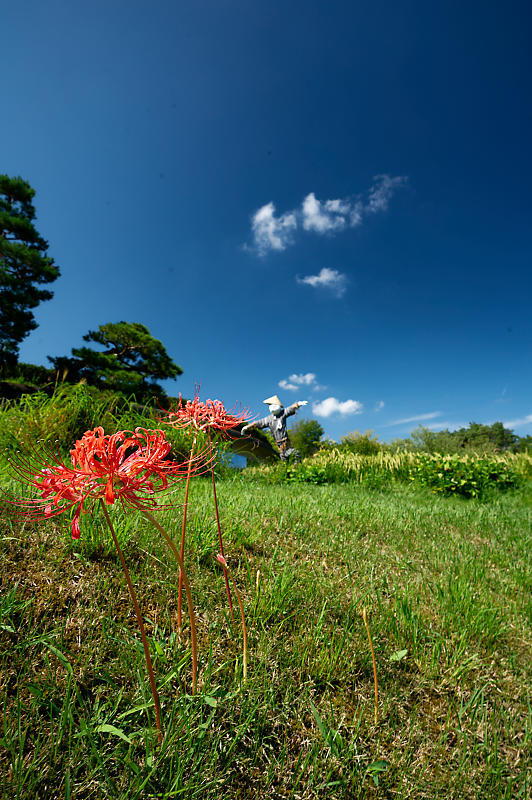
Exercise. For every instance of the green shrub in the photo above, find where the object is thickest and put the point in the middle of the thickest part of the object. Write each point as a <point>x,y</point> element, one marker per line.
<point>305,473</point>
<point>363,444</point>
<point>34,374</point>
<point>463,475</point>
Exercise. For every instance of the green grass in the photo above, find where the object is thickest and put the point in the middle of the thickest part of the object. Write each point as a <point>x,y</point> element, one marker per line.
<point>445,579</point>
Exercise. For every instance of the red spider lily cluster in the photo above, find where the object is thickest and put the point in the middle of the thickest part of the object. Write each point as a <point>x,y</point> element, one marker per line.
<point>130,466</point>
<point>208,415</point>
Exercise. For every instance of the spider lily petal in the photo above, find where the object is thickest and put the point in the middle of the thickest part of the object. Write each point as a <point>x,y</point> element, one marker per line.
<point>130,466</point>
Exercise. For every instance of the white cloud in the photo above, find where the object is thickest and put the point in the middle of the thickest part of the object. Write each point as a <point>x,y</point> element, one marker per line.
<point>381,192</point>
<point>321,216</point>
<point>303,379</point>
<point>517,423</point>
<point>271,232</point>
<point>291,387</point>
<point>324,217</point>
<point>380,405</point>
<point>327,279</point>
<point>331,406</point>
<point>418,418</point>
<point>295,381</point>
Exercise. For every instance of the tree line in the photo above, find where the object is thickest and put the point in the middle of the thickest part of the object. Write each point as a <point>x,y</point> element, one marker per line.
<point>307,436</point>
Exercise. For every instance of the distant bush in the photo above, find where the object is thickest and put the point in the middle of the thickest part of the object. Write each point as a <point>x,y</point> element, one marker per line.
<point>363,444</point>
<point>29,373</point>
<point>305,435</point>
<point>464,475</point>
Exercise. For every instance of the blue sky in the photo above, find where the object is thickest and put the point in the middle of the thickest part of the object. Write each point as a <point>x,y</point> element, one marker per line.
<point>325,200</point>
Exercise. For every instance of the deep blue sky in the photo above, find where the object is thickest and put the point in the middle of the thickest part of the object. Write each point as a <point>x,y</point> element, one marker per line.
<point>153,133</point>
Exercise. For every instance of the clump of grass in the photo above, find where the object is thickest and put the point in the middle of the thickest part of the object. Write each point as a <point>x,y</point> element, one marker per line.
<point>59,419</point>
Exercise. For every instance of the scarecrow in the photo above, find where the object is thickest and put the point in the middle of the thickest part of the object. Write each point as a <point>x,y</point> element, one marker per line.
<point>276,422</point>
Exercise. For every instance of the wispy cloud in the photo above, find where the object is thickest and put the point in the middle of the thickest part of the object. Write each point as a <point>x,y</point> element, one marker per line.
<point>380,405</point>
<point>517,423</point>
<point>330,279</point>
<point>382,191</point>
<point>447,426</point>
<point>271,232</point>
<point>331,405</point>
<point>417,418</point>
<point>296,381</point>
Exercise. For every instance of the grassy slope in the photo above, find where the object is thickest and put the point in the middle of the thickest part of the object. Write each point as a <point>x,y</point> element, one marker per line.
<point>447,580</point>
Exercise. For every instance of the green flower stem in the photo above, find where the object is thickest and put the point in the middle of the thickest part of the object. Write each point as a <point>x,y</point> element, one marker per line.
<point>182,572</point>
<point>140,622</point>
<point>220,532</point>
<point>183,529</point>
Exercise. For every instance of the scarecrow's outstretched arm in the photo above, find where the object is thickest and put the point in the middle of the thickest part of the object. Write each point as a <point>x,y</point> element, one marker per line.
<point>293,408</point>
<point>259,423</point>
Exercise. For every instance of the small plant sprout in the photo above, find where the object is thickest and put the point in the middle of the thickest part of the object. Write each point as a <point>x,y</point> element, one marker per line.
<point>130,467</point>
<point>209,417</point>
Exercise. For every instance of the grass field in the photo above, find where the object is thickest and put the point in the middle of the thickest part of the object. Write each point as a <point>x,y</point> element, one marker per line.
<point>446,583</point>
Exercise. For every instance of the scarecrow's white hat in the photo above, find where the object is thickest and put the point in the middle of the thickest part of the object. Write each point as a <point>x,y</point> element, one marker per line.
<point>272,401</point>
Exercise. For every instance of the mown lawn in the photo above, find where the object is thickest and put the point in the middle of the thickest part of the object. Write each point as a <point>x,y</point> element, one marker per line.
<point>446,583</point>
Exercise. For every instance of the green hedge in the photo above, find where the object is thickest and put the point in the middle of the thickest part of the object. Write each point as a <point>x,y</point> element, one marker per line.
<point>466,476</point>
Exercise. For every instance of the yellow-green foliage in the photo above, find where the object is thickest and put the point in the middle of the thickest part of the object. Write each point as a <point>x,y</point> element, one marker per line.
<point>405,464</point>
<point>65,416</point>
<point>356,467</point>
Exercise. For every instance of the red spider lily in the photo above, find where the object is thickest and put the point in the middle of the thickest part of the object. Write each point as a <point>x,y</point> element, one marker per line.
<point>206,416</point>
<point>211,415</point>
<point>130,466</point>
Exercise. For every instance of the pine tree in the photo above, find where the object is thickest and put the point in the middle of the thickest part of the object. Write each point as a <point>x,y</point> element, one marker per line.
<point>24,266</point>
<point>130,363</point>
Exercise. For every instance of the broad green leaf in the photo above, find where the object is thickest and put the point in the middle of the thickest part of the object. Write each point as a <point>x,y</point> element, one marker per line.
<point>114,731</point>
<point>379,766</point>
<point>211,701</point>
<point>398,655</point>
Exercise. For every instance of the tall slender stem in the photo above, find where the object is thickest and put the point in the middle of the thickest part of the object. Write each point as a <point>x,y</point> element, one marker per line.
<point>183,529</point>
<point>140,622</point>
<point>365,618</point>
<point>220,531</point>
<point>182,571</point>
